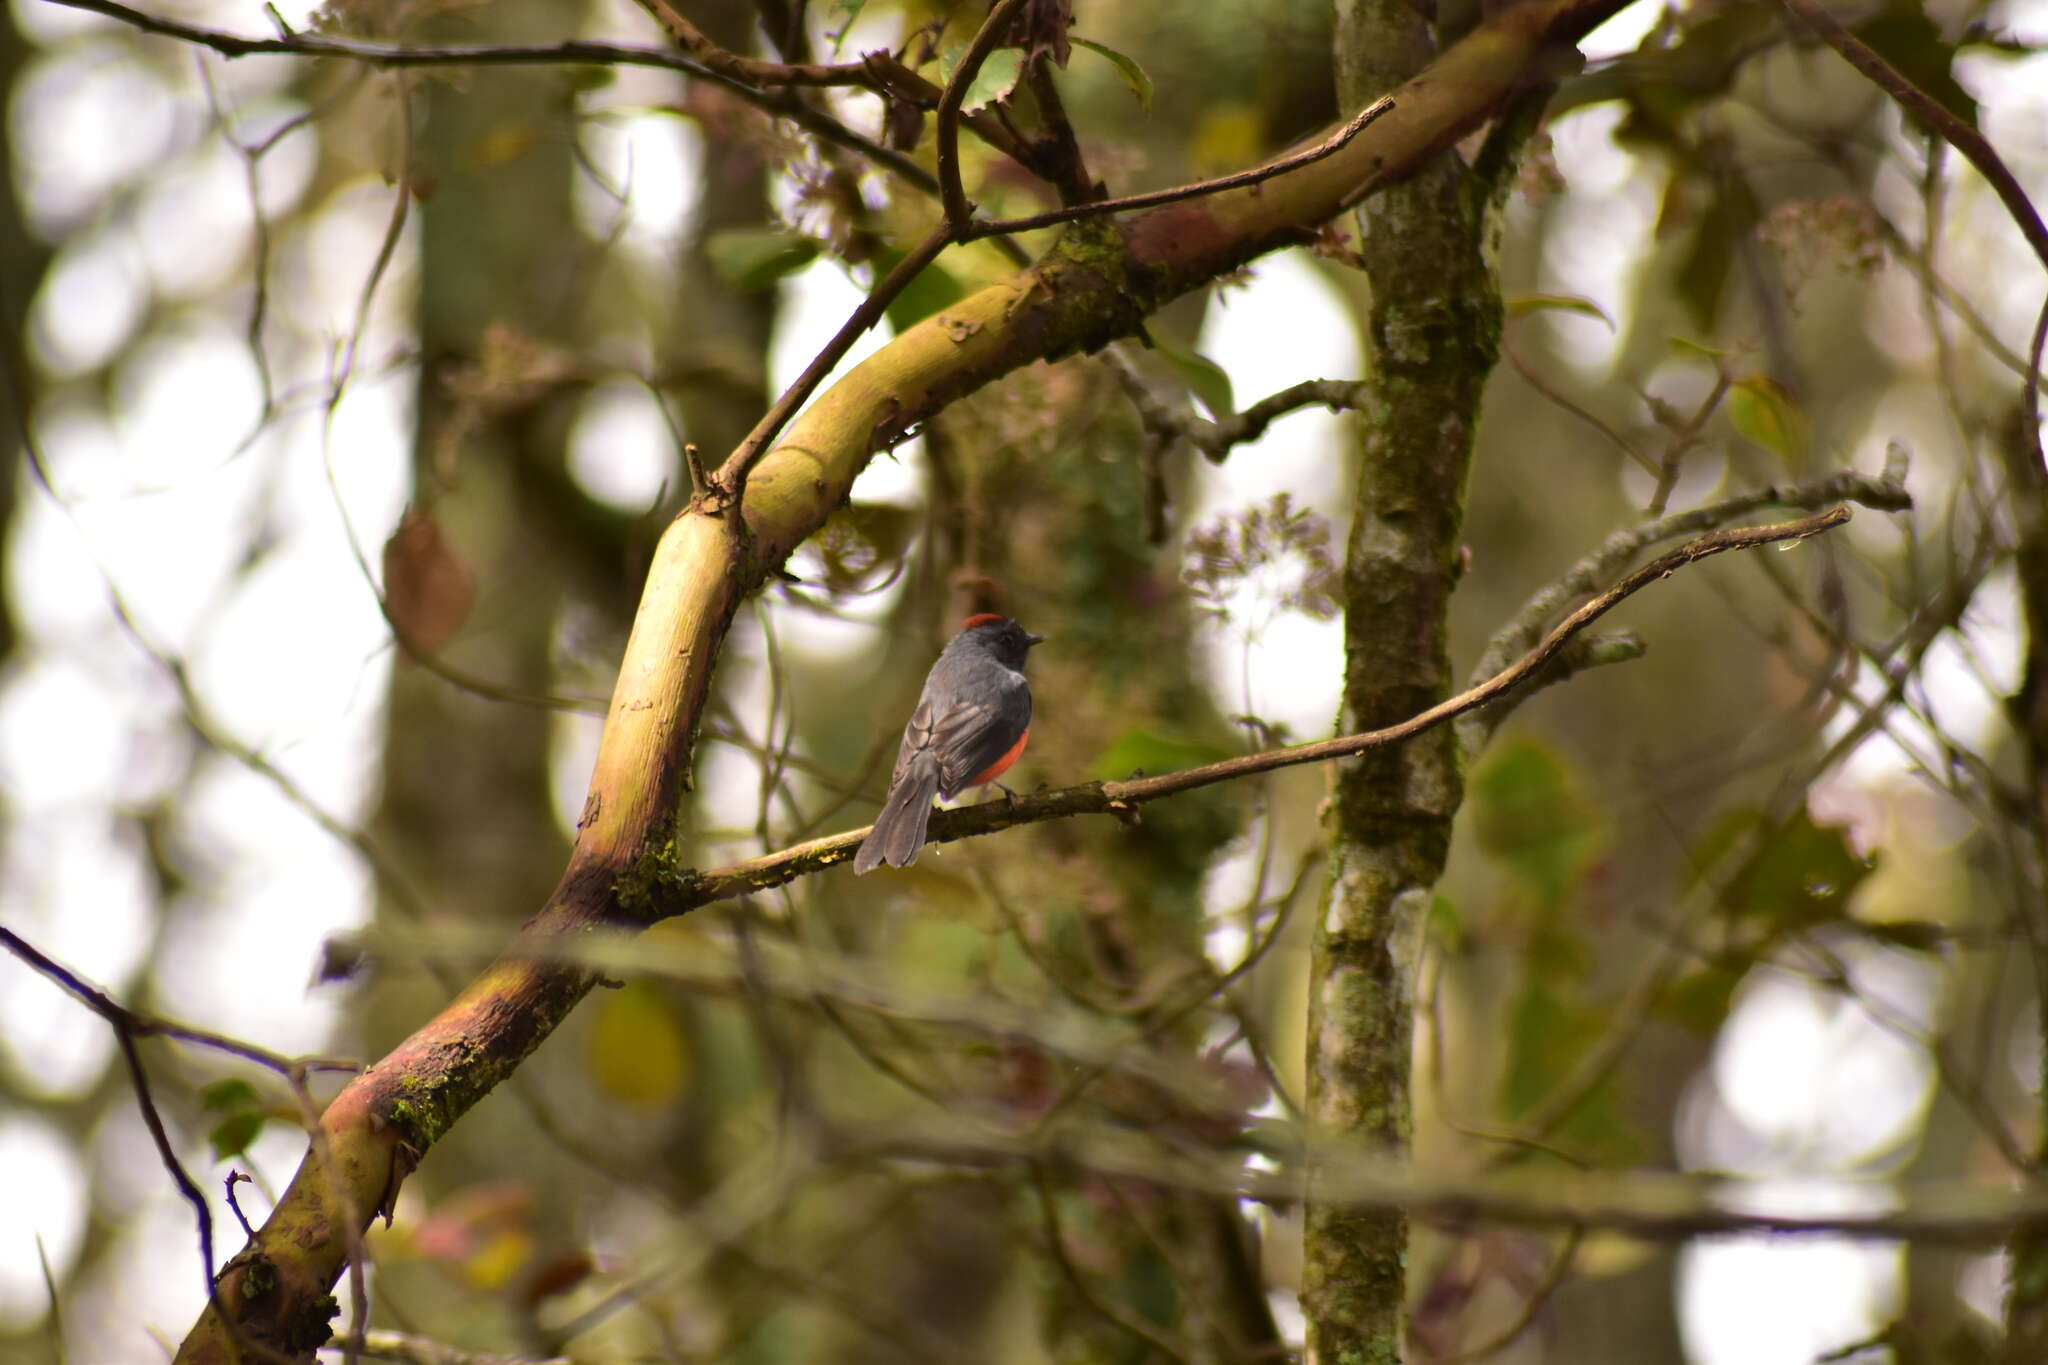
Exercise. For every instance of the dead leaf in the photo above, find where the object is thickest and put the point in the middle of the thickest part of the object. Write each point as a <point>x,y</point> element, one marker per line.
<point>428,589</point>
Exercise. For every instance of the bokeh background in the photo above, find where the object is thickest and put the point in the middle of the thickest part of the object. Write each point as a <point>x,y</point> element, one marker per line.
<point>307,353</point>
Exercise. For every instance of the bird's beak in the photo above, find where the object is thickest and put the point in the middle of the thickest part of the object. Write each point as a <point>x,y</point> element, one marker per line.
<point>1030,640</point>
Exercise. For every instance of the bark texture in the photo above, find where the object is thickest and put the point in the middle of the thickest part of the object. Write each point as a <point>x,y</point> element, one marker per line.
<point>1433,334</point>
<point>2026,1303</point>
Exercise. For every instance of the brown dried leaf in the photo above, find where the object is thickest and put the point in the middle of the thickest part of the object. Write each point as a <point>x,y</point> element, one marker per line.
<point>428,589</point>
<point>1041,26</point>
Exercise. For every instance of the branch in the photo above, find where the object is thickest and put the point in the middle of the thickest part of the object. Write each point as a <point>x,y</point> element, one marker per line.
<point>946,136</point>
<point>411,1350</point>
<point>1659,1206</point>
<point>752,70</point>
<point>732,475</point>
<point>1934,114</point>
<point>1886,492</point>
<point>1060,149</point>
<point>781,103</point>
<point>392,55</point>
<point>1293,161</point>
<point>128,1026</point>
<point>1973,145</point>
<point>690,890</point>
<point>153,1026</point>
<point>1215,439</point>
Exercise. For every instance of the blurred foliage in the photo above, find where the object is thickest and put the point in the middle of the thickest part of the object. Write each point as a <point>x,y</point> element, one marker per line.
<point>790,1130</point>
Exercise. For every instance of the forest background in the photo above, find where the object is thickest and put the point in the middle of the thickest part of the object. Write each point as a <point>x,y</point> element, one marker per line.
<point>381,378</point>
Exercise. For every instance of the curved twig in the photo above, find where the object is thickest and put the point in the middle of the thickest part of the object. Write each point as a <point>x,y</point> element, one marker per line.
<point>1885,492</point>
<point>946,134</point>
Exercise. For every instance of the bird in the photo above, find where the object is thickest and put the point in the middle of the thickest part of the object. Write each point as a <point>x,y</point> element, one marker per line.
<point>971,722</point>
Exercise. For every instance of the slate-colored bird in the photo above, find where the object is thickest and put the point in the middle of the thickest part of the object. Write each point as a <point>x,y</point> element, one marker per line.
<point>971,722</point>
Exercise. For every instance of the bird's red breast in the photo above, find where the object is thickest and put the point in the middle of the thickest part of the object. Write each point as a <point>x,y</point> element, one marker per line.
<point>1001,765</point>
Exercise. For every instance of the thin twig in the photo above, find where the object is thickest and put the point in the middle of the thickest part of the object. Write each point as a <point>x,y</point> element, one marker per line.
<point>1664,1206</point>
<point>1934,114</point>
<point>1566,403</point>
<point>234,1178</point>
<point>782,103</point>
<point>128,1025</point>
<point>575,52</point>
<point>138,1079</point>
<point>1686,437</point>
<point>732,475</point>
<point>1886,492</point>
<point>946,134</point>
<point>752,70</point>
<point>1959,134</point>
<point>1329,146</point>
<point>1560,1266</point>
<point>153,1026</point>
<point>1216,438</point>
<point>416,1350</point>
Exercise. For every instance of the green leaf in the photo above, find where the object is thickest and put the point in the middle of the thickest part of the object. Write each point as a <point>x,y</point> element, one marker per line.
<point>998,76</point>
<point>1766,414</point>
<point>1729,218</point>
<point>637,1052</point>
<point>233,1134</point>
<point>851,9</point>
<point>1204,377</point>
<point>1686,346</point>
<point>1529,816</point>
<point>1446,925</point>
<point>1567,303</point>
<point>230,1094</point>
<point>1134,75</point>
<point>1145,751</point>
<point>1904,35</point>
<point>862,545</point>
<point>996,79</point>
<point>755,258</point>
<point>1700,999</point>
<point>1805,875</point>
<point>1548,1032</point>
<point>935,288</point>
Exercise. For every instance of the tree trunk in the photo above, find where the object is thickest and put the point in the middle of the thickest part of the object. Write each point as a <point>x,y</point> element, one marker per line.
<point>2026,1304</point>
<point>1433,335</point>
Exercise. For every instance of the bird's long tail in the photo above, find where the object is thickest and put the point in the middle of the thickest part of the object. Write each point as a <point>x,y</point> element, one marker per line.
<point>899,830</point>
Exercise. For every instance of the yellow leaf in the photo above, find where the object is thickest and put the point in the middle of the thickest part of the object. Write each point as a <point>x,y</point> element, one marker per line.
<point>1767,415</point>
<point>506,142</point>
<point>636,1047</point>
<point>499,1257</point>
<point>1227,137</point>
